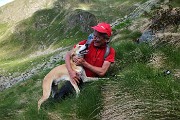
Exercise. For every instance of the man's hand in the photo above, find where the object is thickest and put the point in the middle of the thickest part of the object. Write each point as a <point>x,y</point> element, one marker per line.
<point>74,77</point>
<point>79,61</point>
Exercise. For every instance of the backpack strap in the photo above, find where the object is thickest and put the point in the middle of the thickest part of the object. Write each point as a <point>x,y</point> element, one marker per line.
<point>107,51</point>
<point>89,40</point>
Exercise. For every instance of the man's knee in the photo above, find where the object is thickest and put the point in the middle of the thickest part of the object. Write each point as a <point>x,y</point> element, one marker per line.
<point>66,90</point>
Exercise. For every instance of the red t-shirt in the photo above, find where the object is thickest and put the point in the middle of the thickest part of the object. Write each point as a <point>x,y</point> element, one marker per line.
<point>95,57</point>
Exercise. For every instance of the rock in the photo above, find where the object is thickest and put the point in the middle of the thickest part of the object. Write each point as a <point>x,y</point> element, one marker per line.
<point>147,36</point>
<point>7,82</point>
<point>81,18</point>
<point>145,7</point>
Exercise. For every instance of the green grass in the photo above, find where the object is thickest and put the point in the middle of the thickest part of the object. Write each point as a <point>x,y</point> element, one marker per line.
<point>24,64</point>
<point>156,84</point>
<point>89,103</point>
<point>123,24</point>
<point>135,77</point>
<point>3,28</point>
<point>158,93</point>
<point>175,3</point>
<point>118,8</point>
<point>172,55</point>
<point>145,83</point>
<point>20,102</point>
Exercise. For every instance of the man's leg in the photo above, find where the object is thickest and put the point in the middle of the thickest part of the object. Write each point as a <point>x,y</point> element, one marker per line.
<point>66,90</point>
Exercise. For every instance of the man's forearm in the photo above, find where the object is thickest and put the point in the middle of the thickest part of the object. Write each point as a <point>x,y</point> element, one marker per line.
<point>72,73</point>
<point>101,71</point>
<point>67,61</point>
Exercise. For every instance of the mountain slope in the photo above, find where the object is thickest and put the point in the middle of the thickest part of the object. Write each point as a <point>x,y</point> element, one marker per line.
<point>52,28</point>
<point>21,9</point>
<point>143,84</point>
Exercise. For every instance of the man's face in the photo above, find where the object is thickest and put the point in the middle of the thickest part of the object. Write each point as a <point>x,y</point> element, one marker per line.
<point>98,39</point>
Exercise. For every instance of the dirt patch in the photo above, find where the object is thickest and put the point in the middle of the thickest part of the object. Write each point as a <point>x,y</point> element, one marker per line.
<point>157,60</point>
<point>171,38</point>
<point>54,116</point>
<point>119,105</point>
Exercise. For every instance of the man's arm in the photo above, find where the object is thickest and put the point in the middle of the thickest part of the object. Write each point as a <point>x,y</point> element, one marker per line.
<point>101,71</point>
<point>73,75</point>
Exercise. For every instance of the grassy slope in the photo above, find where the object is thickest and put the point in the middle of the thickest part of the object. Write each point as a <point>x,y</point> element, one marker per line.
<point>158,92</point>
<point>29,39</point>
<point>3,29</point>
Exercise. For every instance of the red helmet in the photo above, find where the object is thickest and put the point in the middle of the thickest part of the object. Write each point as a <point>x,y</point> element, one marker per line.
<point>103,28</point>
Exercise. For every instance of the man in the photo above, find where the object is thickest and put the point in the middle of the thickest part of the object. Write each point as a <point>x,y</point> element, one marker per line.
<point>94,63</point>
